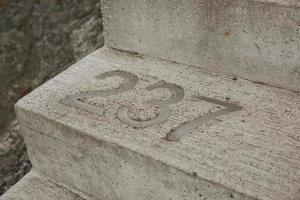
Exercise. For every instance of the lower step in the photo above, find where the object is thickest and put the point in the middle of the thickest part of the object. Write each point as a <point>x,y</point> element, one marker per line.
<point>35,187</point>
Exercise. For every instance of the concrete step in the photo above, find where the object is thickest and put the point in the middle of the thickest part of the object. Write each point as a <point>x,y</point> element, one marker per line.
<point>35,187</point>
<point>120,126</point>
<point>258,40</point>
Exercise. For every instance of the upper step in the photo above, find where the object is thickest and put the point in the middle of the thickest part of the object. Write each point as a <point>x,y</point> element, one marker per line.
<point>258,40</point>
<point>123,126</point>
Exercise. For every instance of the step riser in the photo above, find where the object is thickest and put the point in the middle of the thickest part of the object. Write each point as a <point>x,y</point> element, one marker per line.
<point>250,39</point>
<point>108,171</point>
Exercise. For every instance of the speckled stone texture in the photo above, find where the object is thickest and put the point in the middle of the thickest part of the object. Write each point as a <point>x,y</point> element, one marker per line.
<point>80,132</point>
<point>255,40</point>
<point>122,125</point>
<point>39,38</point>
<point>14,161</point>
<point>36,187</point>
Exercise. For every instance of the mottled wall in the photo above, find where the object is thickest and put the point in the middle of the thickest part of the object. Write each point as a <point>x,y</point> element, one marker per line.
<point>39,38</point>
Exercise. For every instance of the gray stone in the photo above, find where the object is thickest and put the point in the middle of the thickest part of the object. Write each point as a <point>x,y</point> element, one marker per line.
<point>14,161</point>
<point>38,39</point>
<point>255,40</point>
<point>36,187</point>
<point>123,126</point>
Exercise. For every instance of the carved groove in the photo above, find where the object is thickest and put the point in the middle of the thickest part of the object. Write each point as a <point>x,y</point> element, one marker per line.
<point>164,111</point>
<point>186,128</point>
<point>77,100</point>
<point>163,115</point>
<point>178,91</point>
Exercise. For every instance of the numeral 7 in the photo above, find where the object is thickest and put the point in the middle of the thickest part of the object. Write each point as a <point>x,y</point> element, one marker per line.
<point>188,127</point>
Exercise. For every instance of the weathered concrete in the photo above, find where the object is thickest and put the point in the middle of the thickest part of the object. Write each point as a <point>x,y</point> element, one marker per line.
<point>99,128</point>
<point>291,3</point>
<point>119,126</point>
<point>35,187</point>
<point>257,40</point>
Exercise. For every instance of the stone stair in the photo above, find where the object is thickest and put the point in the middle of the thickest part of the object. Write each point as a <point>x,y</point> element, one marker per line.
<point>35,187</point>
<point>147,117</point>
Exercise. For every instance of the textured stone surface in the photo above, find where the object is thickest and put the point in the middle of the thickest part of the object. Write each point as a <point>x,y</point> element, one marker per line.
<point>291,3</point>
<point>35,187</point>
<point>14,161</point>
<point>256,40</point>
<point>79,134</point>
<point>39,38</point>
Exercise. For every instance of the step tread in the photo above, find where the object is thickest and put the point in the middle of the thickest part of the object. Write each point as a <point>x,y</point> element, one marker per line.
<point>253,150</point>
<point>35,187</point>
<point>294,3</point>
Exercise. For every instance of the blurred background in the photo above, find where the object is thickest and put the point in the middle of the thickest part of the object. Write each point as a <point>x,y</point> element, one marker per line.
<point>38,39</point>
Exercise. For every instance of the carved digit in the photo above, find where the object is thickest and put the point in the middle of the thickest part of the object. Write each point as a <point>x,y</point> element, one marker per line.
<point>77,100</point>
<point>186,128</point>
<point>164,110</point>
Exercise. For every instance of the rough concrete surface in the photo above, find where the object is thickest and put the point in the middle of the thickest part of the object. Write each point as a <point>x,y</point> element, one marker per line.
<point>39,38</point>
<point>256,40</point>
<point>98,128</point>
<point>291,3</point>
<point>36,187</point>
